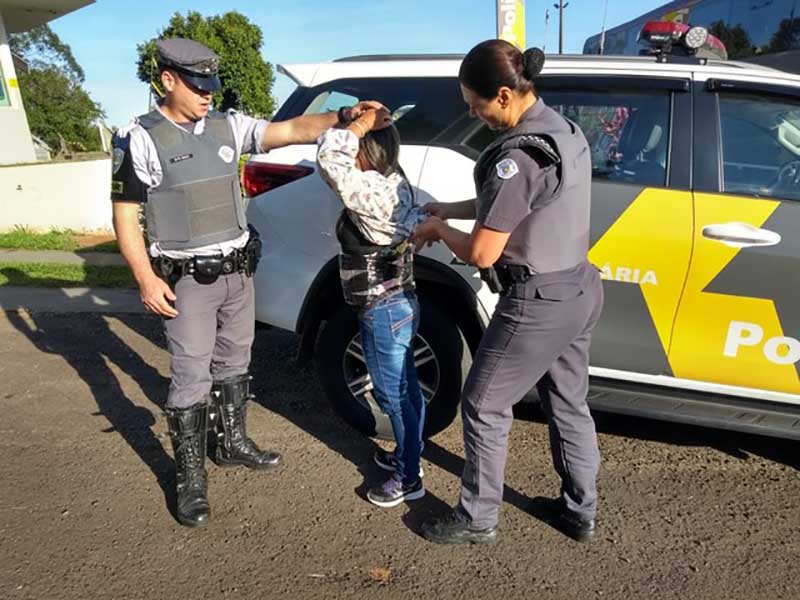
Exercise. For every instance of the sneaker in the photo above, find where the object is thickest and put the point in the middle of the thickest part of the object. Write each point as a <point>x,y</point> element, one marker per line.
<point>388,461</point>
<point>394,492</point>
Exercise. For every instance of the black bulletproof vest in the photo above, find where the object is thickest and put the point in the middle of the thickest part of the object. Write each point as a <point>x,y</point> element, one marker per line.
<point>555,236</point>
<point>369,273</point>
<point>198,201</point>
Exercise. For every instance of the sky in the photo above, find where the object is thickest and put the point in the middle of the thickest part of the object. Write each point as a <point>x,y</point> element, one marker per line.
<point>104,35</point>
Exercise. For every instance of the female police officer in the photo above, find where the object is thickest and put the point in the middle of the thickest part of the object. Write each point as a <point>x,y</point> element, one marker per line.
<point>530,240</point>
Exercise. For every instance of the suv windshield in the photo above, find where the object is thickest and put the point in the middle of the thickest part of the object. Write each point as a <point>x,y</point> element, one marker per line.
<point>423,107</point>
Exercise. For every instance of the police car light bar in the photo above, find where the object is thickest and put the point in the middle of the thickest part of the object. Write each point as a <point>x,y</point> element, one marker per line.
<point>666,38</point>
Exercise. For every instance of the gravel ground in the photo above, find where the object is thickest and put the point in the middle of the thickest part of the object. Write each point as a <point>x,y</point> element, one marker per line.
<point>86,495</point>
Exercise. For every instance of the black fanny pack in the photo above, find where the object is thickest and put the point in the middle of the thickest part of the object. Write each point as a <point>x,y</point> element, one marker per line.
<point>207,269</point>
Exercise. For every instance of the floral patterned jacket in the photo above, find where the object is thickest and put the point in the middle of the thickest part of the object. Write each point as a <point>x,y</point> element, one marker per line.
<point>383,208</point>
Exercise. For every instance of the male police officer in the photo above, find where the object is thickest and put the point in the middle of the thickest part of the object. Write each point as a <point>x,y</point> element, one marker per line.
<point>181,162</point>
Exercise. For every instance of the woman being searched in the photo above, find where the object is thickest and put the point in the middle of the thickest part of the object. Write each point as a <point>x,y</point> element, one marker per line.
<point>360,163</point>
<point>530,240</point>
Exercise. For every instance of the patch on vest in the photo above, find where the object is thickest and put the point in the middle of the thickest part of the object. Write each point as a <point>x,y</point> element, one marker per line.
<point>507,168</point>
<point>117,157</point>
<point>227,154</point>
<point>181,158</point>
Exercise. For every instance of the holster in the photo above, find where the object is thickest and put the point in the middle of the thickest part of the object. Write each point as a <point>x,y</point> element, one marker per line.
<point>500,277</point>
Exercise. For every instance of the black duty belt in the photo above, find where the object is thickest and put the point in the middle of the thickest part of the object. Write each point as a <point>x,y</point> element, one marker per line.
<point>500,277</point>
<point>207,269</point>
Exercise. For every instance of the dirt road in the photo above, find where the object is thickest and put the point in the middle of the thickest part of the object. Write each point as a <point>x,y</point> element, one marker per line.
<point>87,488</point>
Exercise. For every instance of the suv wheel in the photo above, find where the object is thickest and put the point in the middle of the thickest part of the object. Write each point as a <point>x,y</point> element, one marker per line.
<point>441,359</point>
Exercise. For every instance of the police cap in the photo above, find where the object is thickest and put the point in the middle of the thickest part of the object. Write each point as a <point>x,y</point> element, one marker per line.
<point>196,64</point>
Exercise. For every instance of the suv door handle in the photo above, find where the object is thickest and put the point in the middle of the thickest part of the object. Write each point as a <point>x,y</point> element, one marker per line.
<point>741,235</point>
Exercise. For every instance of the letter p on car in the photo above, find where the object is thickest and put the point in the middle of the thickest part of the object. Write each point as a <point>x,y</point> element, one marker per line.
<point>780,350</point>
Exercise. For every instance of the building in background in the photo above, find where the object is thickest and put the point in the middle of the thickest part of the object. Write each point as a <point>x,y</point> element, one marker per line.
<point>18,16</point>
<point>762,31</point>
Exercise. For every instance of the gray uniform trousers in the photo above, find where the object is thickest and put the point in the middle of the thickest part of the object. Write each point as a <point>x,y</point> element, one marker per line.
<point>540,333</point>
<point>211,338</point>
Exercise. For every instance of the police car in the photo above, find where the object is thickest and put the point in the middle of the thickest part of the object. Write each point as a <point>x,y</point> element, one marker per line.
<point>695,214</point>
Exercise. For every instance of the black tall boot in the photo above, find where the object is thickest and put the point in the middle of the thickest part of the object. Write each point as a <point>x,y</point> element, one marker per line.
<point>232,446</point>
<point>187,430</point>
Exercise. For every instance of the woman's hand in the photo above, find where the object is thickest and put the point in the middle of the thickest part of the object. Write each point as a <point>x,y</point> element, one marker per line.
<point>373,120</point>
<point>359,109</point>
<point>427,232</point>
<point>438,209</point>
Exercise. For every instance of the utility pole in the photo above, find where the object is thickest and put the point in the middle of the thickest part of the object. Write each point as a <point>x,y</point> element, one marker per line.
<point>561,6</point>
<point>546,23</point>
<point>603,30</point>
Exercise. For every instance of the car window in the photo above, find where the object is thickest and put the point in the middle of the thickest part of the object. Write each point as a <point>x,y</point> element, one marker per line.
<point>330,101</point>
<point>760,145</point>
<point>423,107</point>
<point>628,132</point>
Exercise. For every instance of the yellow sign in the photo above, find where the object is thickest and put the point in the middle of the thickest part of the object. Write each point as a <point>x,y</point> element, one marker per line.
<point>511,22</point>
<point>13,83</point>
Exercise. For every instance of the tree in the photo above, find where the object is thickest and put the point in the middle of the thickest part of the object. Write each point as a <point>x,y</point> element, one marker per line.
<point>737,41</point>
<point>58,107</point>
<point>41,48</point>
<point>246,78</point>
<point>787,37</point>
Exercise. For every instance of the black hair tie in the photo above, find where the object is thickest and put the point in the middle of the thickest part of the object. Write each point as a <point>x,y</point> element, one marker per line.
<point>532,63</point>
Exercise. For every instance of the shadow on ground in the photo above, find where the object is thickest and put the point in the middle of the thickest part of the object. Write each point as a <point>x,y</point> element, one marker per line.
<point>89,345</point>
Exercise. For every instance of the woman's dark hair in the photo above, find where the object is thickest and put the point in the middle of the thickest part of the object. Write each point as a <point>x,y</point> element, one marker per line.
<point>496,63</point>
<point>381,149</point>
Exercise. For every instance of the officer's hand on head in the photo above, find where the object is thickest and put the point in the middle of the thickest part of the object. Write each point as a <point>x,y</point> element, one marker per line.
<point>156,296</point>
<point>427,232</point>
<point>437,209</point>
<point>363,106</point>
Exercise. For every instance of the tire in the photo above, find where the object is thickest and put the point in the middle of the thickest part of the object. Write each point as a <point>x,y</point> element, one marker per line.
<point>442,364</point>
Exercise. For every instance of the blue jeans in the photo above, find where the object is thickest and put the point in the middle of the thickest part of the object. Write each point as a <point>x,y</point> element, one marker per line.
<point>388,328</point>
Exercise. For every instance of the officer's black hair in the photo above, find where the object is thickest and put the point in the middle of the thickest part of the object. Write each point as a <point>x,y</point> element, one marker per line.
<point>496,63</point>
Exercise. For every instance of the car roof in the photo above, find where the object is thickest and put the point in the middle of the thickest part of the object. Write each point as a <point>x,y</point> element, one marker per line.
<point>446,65</point>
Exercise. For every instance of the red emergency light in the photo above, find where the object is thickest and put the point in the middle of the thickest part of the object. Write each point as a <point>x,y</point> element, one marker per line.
<point>666,38</point>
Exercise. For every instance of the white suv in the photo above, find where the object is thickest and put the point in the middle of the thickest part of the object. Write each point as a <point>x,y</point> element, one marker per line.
<point>696,169</point>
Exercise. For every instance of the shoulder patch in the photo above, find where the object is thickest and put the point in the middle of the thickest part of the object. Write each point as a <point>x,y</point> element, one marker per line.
<point>507,168</point>
<point>117,156</point>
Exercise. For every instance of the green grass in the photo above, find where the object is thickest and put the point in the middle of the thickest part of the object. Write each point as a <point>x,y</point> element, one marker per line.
<point>21,238</point>
<point>50,275</point>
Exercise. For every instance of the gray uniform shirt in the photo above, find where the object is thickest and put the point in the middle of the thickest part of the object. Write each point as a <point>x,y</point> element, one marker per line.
<point>137,169</point>
<point>510,194</point>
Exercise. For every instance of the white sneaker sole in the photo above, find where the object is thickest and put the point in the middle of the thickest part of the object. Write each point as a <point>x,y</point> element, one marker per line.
<point>412,496</point>
<point>391,469</point>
